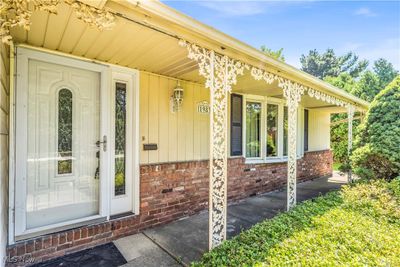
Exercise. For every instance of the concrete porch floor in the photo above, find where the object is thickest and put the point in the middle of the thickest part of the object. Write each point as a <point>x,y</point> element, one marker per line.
<point>183,241</point>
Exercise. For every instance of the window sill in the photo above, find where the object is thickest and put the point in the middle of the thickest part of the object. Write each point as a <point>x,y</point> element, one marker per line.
<point>269,160</point>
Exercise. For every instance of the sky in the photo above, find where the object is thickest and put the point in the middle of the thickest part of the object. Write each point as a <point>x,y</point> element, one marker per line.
<point>371,29</point>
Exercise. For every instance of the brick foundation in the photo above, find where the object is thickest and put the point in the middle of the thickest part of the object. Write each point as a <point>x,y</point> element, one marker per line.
<point>171,191</point>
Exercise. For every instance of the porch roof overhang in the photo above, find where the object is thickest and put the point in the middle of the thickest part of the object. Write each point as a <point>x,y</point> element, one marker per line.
<point>145,37</point>
<point>218,41</point>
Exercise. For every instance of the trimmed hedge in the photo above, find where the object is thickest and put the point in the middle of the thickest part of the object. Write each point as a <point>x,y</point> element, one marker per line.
<point>377,153</point>
<point>358,226</point>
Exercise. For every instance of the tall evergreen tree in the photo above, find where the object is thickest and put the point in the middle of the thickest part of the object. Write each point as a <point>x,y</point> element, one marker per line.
<point>328,64</point>
<point>385,71</point>
<point>348,73</point>
<point>372,82</point>
<point>368,86</point>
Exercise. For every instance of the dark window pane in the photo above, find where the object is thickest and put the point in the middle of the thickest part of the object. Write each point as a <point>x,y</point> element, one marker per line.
<point>120,138</point>
<point>272,130</point>
<point>236,125</point>
<point>253,114</point>
<point>285,131</point>
<point>306,130</point>
<point>64,131</point>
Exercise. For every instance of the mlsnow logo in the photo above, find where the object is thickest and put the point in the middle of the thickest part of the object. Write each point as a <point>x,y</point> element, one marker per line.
<point>25,259</point>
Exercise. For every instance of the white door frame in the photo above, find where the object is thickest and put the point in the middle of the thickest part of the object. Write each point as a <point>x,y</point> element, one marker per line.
<point>120,205</point>
<point>21,96</point>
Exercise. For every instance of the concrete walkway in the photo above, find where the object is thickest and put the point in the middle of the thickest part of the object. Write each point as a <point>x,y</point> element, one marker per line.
<point>183,241</point>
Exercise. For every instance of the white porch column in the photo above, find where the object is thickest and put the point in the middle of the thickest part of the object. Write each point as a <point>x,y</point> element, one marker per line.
<point>350,116</point>
<point>292,92</point>
<point>218,157</point>
<point>220,72</point>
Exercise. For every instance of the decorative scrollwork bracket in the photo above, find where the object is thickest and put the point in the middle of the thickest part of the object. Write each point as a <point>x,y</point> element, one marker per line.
<point>15,13</point>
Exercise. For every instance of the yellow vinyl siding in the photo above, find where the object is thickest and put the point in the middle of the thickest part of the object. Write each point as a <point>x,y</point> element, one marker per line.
<point>144,116</point>
<point>188,118</point>
<point>153,115</point>
<point>319,130</point>
<point>180,136</point>
<point>4,130</point>
<point>204,124</point>
<point>163,142</point>
<point>172,126</point>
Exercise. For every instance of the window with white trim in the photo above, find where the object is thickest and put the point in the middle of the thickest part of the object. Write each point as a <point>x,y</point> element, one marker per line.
<point>266,129</point>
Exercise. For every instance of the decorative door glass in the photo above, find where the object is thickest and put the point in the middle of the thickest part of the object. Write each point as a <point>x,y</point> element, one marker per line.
<point>64,131</point>
<point>120,139</point>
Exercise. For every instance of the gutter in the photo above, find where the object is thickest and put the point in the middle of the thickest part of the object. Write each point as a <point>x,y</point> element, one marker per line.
<point>224,40</point>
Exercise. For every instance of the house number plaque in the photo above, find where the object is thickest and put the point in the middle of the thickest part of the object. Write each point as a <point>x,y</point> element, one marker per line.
<point>203,107</point>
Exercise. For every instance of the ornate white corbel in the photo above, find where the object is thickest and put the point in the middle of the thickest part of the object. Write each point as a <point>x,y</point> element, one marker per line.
<point>324,97</point>
<point>221,73</point>
<point>259,74</point>
<point>15,13</point>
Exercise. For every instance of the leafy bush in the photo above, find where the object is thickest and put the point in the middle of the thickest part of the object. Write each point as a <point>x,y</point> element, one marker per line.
<point>339,139</point>
<point>376,199</point>
<point>339,131</point>
<point>359,226</point>
<point>394,186</point>
<point>377,153</point>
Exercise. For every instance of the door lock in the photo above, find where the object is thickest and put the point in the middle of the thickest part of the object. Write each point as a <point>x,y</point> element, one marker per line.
<point>104,142</point>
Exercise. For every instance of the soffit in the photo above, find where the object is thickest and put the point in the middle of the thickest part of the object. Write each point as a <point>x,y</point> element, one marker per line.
<point>168,19</point>
<point>127,44</point>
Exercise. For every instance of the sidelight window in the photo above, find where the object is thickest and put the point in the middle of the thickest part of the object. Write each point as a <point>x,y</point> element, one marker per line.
<point>120,138</point>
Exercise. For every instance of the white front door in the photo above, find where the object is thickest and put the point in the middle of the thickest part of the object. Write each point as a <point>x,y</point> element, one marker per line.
<point>60,145</point>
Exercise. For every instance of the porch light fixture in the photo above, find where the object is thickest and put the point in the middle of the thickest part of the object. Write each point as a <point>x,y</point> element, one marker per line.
<point>177,98</point>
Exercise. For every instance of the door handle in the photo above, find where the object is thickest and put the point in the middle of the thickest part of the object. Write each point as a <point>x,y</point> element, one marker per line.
<point>104,142</point>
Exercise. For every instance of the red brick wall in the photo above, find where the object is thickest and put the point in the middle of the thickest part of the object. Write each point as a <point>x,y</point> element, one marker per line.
<point>170,191</point>
<point>252,179</point>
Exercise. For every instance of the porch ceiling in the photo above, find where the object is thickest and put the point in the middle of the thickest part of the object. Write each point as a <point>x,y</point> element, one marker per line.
<point>132,45</point>
<point>127,44</point>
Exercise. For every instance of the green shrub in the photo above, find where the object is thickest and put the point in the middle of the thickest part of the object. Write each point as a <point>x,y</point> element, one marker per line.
<point>377,146</point>
<point>394,186</point>
<point>358,226</point>
<point>345,167</point>
<point>375,199</point>
<point>339,138</point>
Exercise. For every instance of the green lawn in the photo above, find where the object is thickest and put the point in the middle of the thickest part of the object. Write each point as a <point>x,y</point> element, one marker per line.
<point>358,226</point>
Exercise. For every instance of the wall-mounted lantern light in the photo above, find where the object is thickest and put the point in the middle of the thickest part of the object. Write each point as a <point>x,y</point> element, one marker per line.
<point>177,98</point>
